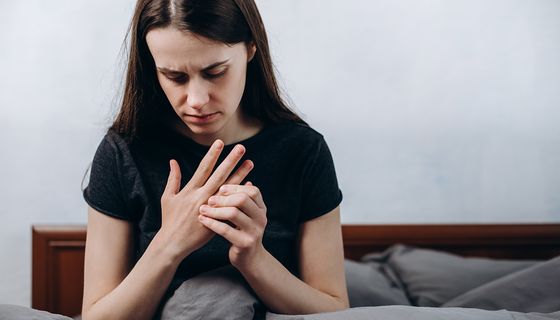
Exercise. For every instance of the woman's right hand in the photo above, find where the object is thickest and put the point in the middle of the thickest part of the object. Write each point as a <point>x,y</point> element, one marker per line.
<point>181,231</point>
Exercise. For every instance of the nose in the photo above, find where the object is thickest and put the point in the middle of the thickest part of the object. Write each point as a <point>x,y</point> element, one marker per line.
<point>197,94</point>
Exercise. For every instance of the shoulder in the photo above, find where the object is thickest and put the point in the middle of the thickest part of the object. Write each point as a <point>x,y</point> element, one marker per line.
<point>299,133</point>
<point>114,143</point>
<point>115,140</point>
<point>300,144</point>
<point>113,149</point>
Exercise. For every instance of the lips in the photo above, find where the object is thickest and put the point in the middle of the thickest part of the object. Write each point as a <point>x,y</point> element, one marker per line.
<point>200,116</point>
<point>201,119</point>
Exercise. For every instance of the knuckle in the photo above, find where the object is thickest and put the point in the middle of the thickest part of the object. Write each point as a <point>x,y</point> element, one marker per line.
<point>226,233</point>
<point>254,191</point>
<point>237,203</point>
<point>240,199</point>
<point>218,177</point>
<point>247,242</point>
<point>245,197</point>
<point>233,213</point>
<point>203,191</point>
<point>251,240</point>
<point>203,166</point>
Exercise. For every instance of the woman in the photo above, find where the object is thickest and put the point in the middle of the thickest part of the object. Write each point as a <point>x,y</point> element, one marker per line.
<point>200,92</point>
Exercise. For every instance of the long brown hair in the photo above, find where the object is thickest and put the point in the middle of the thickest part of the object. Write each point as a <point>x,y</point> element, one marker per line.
<point>229,21</point>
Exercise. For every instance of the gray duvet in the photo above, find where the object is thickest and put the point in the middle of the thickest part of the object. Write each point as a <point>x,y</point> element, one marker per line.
<point>416,313</point>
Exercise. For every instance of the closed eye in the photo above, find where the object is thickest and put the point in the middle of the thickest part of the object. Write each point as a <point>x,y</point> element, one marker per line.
<point>178,79</point>
<point>211,75</point>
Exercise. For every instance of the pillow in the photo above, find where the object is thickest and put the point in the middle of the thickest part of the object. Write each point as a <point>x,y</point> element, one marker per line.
<point>221,293</point>
<point>535,289</point>
<point>368,286</point>
<point>13,312</point>
<point>432,278</point>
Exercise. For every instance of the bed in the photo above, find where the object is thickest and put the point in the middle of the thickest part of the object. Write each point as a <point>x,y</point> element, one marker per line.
<point>58,251</point>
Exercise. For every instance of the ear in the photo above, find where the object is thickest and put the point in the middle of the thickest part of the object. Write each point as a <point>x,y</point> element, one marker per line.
<point>251,50</point>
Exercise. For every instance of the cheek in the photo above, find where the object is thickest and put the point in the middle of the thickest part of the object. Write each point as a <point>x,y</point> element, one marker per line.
<point>172,92</point>
<point>231,90</point>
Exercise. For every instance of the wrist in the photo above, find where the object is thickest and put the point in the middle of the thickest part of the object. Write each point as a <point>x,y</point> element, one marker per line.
<point>253,263</point>
<point>167,251</point>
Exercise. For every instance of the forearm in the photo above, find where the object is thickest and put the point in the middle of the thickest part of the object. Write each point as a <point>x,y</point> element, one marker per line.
<point>139,294</point>
<point>284,293</point>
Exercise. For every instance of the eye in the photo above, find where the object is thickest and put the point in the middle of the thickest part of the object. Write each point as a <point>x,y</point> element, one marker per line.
<point>178,79</point>
<point>214,75</point>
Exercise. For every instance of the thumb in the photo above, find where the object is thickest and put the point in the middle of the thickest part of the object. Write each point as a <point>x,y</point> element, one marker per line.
<point>174,179</point>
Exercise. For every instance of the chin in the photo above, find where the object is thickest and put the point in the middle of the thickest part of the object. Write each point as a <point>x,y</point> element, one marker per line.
<point>208,129</point>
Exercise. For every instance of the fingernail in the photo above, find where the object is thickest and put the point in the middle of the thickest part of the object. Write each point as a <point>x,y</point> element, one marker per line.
<point>249,164</point>
<point>212,200</point>
<point>223,189</point>
<point>201,217</point>
<point>203,207</point>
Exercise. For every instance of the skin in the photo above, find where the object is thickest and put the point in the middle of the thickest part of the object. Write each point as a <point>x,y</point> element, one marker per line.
<point>181,60</point>
<point>115,288</point>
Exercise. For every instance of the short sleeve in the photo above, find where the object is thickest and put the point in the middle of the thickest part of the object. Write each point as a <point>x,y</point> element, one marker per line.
<point>104,192</point>
<point>321,193</point>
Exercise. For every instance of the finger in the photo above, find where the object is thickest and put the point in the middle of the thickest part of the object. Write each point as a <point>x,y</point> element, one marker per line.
<point>231,214</point>
<point>252,191</point>
<point>206,165</point>
<point>248,183</point>
<point>236,237</point>
<point>174,178</point>
<point>240,200</point>
<point>241,173</point>
<point>224,169</point>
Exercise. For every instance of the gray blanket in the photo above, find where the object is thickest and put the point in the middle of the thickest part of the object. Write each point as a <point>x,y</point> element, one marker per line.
<point>12,312</point>
<point>416,313</point>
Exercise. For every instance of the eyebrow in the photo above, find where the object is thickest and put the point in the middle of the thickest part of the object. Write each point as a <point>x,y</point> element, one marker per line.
<point>213,65</point>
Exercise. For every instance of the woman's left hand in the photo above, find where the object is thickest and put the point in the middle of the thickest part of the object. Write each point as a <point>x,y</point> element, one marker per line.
<point>243,207</point>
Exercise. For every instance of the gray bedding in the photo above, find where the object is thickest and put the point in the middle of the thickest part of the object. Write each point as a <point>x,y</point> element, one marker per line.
<point>400,283</point>
<point>429,278</point>
<point>405,278</point>
<point>416,313</point>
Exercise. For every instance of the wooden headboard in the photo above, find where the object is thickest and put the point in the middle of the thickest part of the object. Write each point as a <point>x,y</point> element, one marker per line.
<point>58,251</point>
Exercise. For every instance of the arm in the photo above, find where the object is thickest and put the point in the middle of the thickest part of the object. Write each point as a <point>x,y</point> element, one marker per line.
<point>322,287</point>
<point>114,290</point>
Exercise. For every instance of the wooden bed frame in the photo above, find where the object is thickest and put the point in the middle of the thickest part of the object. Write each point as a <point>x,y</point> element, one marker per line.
<point>58,251</point>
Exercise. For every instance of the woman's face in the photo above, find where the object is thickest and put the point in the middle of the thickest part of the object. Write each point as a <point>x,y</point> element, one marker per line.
<point>202,79</point>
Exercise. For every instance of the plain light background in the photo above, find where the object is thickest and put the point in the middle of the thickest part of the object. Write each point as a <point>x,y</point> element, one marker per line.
<point>435,111</point>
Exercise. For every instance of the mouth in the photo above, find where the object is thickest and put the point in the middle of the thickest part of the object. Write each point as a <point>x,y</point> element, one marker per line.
<point>202,118</point>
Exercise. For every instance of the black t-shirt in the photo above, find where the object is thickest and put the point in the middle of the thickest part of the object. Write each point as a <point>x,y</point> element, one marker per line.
<point>293,169</point>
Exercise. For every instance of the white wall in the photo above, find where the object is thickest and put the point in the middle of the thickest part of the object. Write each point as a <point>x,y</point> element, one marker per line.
<point>435,111</point>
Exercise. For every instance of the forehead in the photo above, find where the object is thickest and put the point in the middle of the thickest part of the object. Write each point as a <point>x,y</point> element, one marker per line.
<point>173,48</point>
